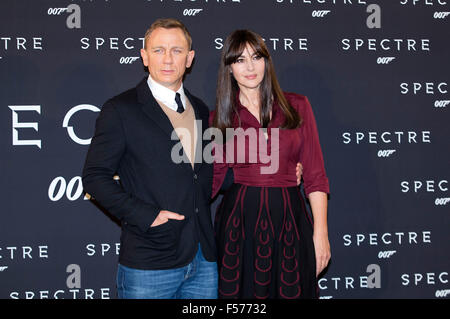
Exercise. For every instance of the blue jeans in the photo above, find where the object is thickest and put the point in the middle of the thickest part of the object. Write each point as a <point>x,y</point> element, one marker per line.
<point>197,280</point>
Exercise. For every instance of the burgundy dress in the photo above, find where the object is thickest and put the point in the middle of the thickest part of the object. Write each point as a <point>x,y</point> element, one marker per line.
<point>263,231</point>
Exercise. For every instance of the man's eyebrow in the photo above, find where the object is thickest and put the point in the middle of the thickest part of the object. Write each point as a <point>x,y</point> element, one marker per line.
<point>163,47</point>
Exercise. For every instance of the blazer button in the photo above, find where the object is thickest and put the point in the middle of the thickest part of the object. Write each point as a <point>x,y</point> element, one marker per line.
<point>196,210</point>
<point>195,176</point>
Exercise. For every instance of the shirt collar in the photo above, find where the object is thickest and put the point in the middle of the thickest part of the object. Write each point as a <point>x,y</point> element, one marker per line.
<point>277,117</point>
<point>164,95</point>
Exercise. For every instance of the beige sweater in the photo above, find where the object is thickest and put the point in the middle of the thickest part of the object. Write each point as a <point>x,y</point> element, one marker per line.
<point>185,127</point>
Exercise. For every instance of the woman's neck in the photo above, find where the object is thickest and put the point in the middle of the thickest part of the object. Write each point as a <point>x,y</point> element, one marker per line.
<point>250,98</point>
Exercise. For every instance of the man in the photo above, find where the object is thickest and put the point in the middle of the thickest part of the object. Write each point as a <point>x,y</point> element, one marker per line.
<point>167,243</point>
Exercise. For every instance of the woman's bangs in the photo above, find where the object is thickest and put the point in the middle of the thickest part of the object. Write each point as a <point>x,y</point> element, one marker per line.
<point>237,46</point>
<point>234,52</point>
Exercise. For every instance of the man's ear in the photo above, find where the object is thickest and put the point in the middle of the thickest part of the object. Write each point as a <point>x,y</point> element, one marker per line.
<point>190,58</point>
<point>144,57</point>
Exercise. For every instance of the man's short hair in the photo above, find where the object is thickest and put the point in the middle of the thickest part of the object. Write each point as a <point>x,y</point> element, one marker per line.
<point>168,23</point>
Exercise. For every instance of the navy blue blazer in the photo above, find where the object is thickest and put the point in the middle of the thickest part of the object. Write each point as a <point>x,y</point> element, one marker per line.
<point>133,139</point>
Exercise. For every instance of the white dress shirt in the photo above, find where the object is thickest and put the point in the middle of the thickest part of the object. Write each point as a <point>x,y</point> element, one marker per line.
<point>164,95</point>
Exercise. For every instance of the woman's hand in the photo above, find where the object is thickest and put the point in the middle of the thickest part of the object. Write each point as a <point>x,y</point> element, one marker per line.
<point>319,203</point>
<point>299,172</point>
<point>322,250</point>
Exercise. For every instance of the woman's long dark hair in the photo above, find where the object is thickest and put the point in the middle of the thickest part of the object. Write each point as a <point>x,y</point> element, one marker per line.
<point>227,87</point>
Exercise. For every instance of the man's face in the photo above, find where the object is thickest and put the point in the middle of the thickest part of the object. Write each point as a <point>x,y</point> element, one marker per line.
<point>167,56</point>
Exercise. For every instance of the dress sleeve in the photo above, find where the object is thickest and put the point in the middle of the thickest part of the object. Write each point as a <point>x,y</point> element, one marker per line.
<point>314,175</point>
<point>220,165</point>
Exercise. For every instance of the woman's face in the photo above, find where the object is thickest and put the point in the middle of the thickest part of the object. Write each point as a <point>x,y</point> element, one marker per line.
<point>248,70</point>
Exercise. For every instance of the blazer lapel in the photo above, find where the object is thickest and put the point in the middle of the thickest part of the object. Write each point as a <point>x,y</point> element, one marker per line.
<point>152,109</point>
<point>202,125</point>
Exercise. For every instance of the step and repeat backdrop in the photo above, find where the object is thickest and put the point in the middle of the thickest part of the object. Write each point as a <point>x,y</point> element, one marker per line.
<point>376,73</point>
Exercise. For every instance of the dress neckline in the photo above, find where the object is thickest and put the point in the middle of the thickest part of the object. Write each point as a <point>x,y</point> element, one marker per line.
<point>275,113</point>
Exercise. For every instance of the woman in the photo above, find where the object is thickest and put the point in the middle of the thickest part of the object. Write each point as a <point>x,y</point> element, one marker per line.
<point>268,245</point>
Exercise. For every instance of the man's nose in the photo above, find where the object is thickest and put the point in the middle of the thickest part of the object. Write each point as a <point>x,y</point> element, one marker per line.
<point>168,58</point>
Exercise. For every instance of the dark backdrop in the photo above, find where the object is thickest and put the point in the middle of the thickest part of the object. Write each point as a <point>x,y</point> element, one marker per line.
<point>376,74</point>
